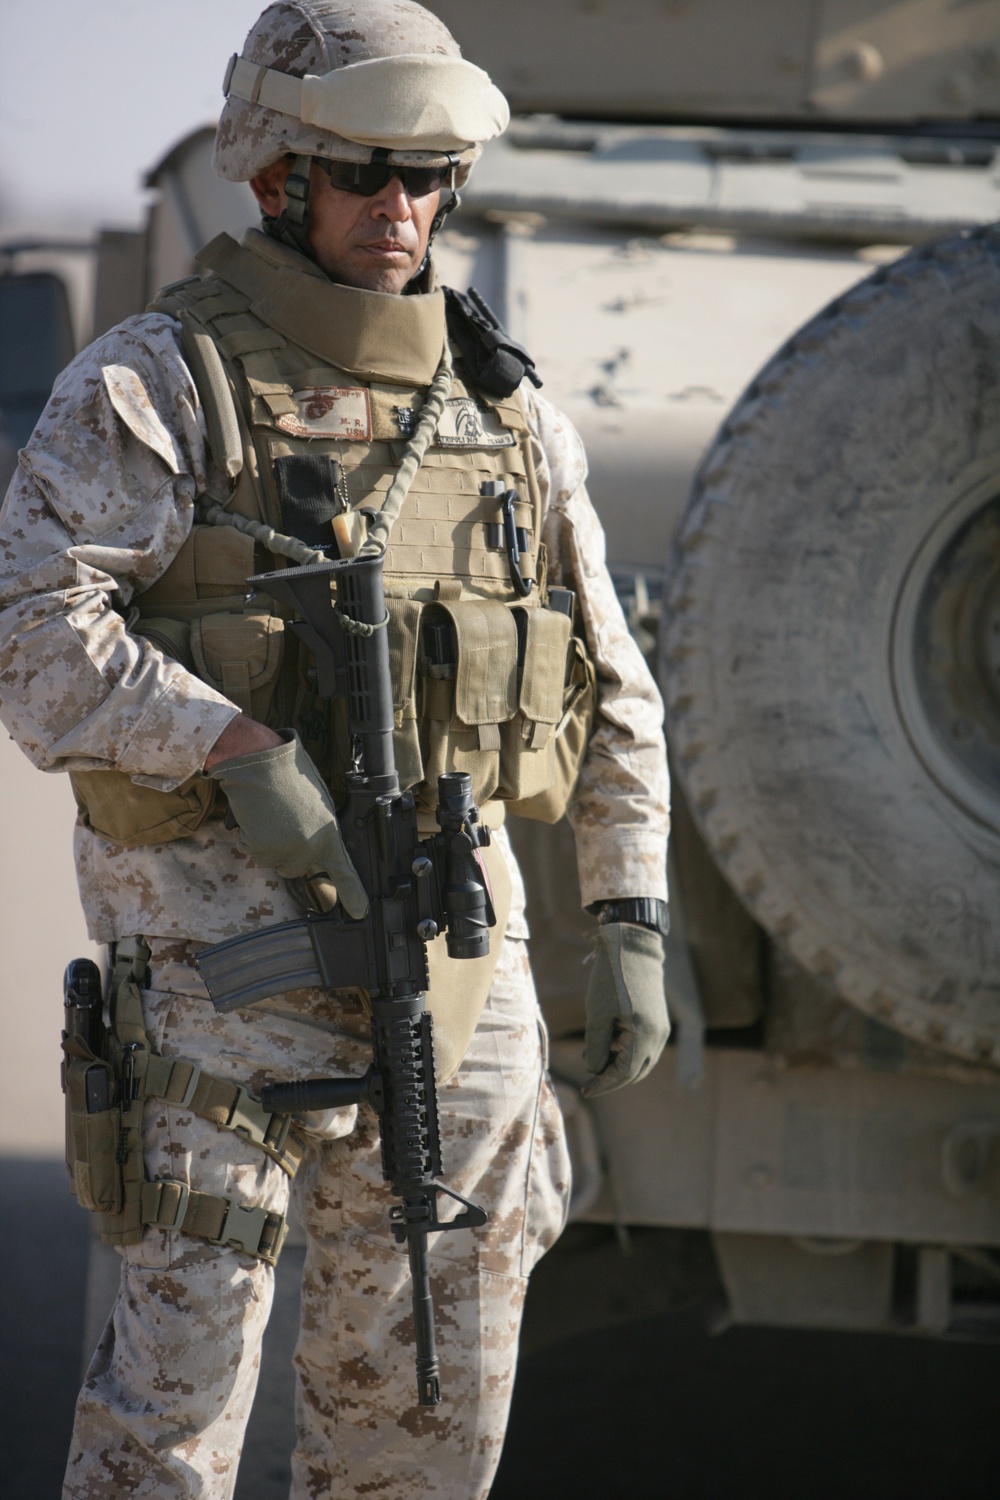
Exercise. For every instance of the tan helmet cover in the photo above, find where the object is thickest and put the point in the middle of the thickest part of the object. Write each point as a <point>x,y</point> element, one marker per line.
<point>334,79</point>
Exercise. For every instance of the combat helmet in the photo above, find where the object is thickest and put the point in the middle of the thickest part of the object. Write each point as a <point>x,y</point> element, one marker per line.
<point>357,81</point>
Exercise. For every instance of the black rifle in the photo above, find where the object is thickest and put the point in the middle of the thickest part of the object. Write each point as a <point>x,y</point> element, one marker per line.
<point>416,887</point>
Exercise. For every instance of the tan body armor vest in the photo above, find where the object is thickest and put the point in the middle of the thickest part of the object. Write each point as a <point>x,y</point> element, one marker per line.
<point>325,383</point>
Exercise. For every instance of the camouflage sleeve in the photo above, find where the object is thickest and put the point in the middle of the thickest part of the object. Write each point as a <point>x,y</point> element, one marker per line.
<point>621,809</point>
<point>100,505</point>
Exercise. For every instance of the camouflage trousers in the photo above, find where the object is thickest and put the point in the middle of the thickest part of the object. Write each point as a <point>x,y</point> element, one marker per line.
<point>167,1396</point>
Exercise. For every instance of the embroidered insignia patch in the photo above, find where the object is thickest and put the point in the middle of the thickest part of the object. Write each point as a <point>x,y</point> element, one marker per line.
<point>465,424</point>
<point>330,411</point>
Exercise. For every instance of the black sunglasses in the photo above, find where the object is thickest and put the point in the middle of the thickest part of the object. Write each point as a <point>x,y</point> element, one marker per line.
<point>366,178</point>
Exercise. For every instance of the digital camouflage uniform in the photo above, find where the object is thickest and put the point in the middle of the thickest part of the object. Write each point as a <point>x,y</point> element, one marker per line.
<point>177,1411</point>
<point>101,504</point>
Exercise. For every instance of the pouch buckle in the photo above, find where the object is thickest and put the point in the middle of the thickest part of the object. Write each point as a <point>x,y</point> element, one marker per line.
<point>192,1085</point>
<point>184,1194</point>
<point>246,1228</point>
<point>260,1126</point>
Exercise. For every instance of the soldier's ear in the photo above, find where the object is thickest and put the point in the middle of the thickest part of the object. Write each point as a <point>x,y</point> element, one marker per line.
<point>268,187</point>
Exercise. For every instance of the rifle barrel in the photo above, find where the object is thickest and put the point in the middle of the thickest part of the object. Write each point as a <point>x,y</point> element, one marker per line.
<point>428,1372</point>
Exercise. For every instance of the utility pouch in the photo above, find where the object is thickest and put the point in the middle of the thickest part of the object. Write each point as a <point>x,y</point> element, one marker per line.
<point>508,695</point>
<point>240,656</point>
<point>209,572</point>
<point>467,698</point>
<point>92,1128</point>
<point>527,758</point>
<point>569,740</point>
<point>113,806</point>
<point>404,641</point>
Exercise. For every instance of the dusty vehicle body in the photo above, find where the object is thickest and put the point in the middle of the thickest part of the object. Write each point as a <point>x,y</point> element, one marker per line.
<point>701,224</point>
<point>805,533</point>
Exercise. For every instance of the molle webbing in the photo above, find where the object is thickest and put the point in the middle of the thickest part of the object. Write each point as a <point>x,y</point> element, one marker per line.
<point>266,351</point>
<point>427,424</point>
<point>378,537</point>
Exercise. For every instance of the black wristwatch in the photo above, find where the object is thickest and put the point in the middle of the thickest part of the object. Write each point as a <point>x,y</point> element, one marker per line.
<point>643,911</point>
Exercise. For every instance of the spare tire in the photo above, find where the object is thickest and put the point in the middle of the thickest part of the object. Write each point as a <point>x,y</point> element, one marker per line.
<point>831,645</point>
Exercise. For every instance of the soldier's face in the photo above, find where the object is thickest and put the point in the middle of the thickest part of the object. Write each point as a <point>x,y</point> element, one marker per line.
<point>376,243</point>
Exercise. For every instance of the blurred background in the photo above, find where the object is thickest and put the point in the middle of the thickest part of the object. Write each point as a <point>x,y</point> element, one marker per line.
<point>92,99</point>
<point>781,1278</point>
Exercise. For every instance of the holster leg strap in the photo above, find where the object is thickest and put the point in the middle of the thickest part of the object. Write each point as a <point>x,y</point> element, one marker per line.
<point>227,1105</point>
<point>169,1204</point>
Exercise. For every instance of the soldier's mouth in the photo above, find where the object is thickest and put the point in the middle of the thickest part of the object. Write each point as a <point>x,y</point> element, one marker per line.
<point>385,248</point>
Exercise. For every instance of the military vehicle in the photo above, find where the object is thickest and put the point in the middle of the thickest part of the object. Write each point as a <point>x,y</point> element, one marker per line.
<point>741,244</point>
<point>749,250</point>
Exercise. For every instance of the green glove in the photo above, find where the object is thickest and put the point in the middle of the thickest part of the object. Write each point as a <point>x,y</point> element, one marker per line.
<point>627,1022</point>
<point>287,819</point>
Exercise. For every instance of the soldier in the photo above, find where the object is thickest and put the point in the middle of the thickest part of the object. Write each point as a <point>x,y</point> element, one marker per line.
<point>296,367</point>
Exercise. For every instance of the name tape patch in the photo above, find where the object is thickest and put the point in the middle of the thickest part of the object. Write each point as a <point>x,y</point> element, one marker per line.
<point>465,424</point>
<point>330,411</point>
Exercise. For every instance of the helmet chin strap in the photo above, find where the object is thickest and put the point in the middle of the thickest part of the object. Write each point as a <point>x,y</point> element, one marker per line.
<point>291,227</point>
<point>449,206</point>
